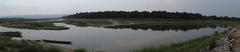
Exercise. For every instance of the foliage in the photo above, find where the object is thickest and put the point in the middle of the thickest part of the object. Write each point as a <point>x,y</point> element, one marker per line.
<point>146,14</point>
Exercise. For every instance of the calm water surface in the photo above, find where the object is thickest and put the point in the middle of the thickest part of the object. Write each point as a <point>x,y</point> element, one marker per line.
<point>112,40</point>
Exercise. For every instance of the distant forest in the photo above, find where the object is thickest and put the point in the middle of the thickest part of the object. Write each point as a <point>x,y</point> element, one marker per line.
<point>146,14</point>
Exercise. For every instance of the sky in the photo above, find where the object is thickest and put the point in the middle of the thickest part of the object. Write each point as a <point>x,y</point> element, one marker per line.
<point>46,7</point>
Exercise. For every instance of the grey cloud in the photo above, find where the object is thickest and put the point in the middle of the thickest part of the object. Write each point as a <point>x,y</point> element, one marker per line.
<point>206,7</point>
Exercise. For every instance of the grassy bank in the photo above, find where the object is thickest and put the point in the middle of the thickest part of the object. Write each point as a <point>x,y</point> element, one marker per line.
<point>33,25</point>
<point>8,45</point>
<point>88,22</point>
<point>80,50</point>
<point>153,24</point>
<point>194,45</point>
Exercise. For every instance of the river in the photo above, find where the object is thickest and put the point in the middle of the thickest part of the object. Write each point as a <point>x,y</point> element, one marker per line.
<point>111,40</point>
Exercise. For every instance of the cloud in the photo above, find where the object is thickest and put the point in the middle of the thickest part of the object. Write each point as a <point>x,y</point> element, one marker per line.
<point>208,7</point>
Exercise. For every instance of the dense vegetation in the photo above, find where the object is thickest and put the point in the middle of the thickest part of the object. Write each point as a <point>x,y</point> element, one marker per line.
<point>146,14</point>
<point>195,45</point>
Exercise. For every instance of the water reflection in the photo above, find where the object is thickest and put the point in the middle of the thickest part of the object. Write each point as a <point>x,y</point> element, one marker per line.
<point>11,34</point>
<point>55,41</point>
<point>167,27</point>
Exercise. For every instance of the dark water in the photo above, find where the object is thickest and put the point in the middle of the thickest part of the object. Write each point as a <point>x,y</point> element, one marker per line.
<point>112,40</point>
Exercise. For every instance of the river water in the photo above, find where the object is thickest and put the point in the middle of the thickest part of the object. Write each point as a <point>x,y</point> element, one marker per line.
<point>111,40</point>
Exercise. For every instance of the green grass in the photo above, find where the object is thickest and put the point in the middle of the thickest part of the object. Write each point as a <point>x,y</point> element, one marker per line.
<point>8,45</point>
<point>194,45</point>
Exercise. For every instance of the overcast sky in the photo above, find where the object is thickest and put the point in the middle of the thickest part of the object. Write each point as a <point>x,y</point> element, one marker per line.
<point>40,7</point>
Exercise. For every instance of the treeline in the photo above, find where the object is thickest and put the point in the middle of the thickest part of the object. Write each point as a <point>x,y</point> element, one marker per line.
<point>146,14</point>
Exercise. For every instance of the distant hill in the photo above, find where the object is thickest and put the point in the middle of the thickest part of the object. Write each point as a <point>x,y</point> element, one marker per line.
<point>33,16</point>
<point>146,14</point>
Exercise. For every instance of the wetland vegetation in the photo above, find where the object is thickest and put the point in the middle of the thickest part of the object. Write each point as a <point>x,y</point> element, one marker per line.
<point>9,45</point>
<point>33,25</point>
<point>154,24</point>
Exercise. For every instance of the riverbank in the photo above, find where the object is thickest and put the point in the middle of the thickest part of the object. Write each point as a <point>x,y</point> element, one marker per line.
<point>9,45</point>
<point>227,41</point>
<point>33,25</point>
<point>143,24</point>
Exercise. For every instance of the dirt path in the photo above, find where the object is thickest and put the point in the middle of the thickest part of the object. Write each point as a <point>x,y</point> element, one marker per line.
<point>235,40</point>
